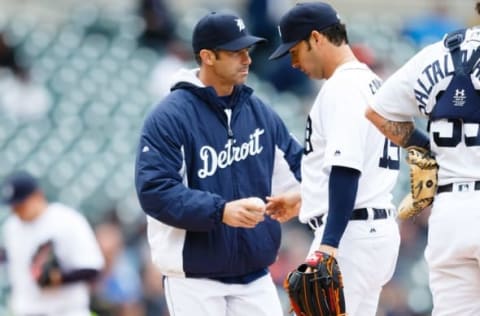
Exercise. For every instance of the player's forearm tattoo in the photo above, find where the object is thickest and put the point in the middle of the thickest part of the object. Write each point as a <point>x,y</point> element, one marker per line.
<point>399,131</point>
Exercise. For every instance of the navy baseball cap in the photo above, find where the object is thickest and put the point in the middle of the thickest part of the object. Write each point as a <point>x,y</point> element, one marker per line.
<point>17,187</point>
<point>300,21</point>
<point>222,31</point>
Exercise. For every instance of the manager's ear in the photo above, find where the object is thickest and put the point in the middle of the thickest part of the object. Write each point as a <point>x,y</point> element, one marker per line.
<point>207,56</point>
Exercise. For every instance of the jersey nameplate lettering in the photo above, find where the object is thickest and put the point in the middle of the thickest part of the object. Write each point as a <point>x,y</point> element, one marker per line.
<point>430,76</point>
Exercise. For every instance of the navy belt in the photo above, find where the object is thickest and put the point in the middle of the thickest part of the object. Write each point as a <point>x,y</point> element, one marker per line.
<point>357,214</point>
<point>459,187</point>
<point>362,213</point>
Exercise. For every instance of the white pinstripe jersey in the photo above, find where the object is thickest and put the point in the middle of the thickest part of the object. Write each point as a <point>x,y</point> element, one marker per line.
<point>338,134</point>
<point>412,91</point>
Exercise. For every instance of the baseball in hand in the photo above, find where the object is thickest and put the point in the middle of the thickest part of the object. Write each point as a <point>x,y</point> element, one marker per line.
<point>257,202</point>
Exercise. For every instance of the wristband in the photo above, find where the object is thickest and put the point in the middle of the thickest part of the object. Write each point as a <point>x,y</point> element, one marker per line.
<point>419,139</point>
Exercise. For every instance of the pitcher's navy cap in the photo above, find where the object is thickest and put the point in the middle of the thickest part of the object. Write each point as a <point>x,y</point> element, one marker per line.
<point>17,187</point>
<point>300,21</point>
<point>222,31</point>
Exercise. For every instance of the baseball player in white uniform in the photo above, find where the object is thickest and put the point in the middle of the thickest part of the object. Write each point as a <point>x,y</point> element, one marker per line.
<point>349,168</point>
<point>35,222</point>
<point>441,83</point>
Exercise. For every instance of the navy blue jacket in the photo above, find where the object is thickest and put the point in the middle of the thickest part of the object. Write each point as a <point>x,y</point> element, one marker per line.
<point>191,160</point>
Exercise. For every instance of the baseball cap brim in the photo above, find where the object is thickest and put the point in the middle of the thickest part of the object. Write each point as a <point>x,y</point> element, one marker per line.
<point>282,50</point>
<point>16,200</point>
<point>241,43</point>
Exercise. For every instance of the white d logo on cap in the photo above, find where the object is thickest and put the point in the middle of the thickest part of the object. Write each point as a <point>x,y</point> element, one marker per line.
<point>240,24</point>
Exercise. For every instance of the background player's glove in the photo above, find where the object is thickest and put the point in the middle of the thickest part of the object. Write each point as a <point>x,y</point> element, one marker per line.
<point>316,287</point>
<point>423,182</point>
<point>44,267</point>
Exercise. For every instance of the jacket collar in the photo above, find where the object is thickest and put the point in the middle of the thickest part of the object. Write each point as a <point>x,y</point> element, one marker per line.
<point>188,80</point>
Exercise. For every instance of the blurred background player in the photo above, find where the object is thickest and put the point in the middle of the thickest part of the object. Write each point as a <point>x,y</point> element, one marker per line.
<point>204,150</point>
<point>51,251</point>
<point>441,83</point>
<point>349,169</point>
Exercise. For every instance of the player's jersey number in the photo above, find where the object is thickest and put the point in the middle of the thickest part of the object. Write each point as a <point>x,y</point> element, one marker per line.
<point>391,156</point>
<point>389,160</point>
<point>391,152</point>
<point>457,135</point>
<point>307,146</point>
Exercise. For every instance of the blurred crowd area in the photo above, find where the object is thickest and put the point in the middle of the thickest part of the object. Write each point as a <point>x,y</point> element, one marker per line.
<point>78,77</point>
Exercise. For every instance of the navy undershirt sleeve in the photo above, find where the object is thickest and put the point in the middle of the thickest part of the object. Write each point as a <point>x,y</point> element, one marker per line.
<point>342,191</point>
<point>419,139</point>
<point>80,275</point>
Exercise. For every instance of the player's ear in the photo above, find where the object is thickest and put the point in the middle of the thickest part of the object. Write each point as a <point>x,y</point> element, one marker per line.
<point>316,36</point>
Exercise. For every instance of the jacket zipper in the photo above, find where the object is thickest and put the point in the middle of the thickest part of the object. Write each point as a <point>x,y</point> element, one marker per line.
<point>228,112</point>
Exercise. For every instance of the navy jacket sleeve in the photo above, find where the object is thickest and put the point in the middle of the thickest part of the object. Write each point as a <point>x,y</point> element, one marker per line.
<point>161,188</point>
<point>291,148</point>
